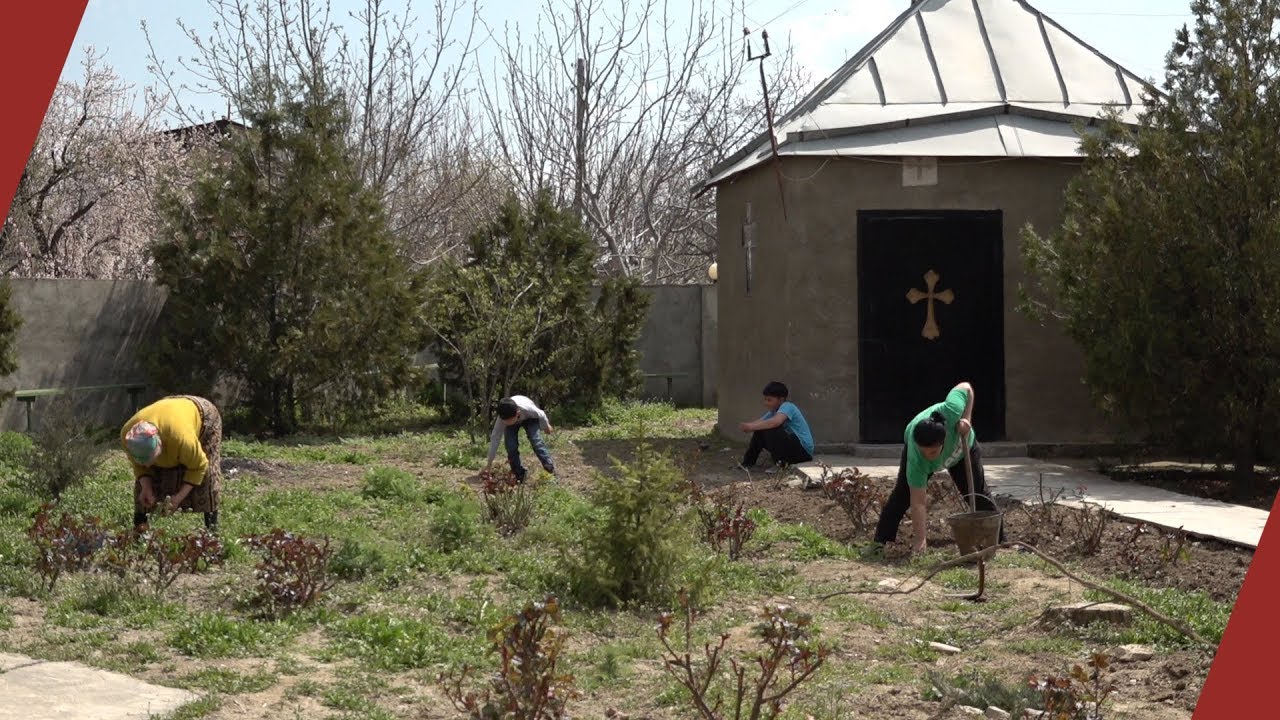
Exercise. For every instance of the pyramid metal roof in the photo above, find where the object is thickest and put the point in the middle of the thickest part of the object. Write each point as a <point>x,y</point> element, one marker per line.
<point>955,78</point>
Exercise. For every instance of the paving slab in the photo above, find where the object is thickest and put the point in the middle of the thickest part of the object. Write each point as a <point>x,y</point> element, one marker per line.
<point>1026,478</point>
<point>38,690</point>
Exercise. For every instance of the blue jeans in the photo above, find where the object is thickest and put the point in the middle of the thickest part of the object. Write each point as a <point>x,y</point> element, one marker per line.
<point>512,440</point>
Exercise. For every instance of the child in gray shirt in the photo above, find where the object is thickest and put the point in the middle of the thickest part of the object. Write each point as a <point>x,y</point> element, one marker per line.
<point>514,413</point>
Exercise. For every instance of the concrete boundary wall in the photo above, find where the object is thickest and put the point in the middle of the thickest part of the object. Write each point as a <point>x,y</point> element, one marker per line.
<point>79,333</point>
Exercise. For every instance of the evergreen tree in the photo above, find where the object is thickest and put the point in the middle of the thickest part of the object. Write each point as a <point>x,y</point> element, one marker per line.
<point>1166,269</point>
<point>283,278</point>
<point>521,314</point>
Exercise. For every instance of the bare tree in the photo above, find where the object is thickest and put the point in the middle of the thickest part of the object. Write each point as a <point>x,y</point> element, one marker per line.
<point>620,107</point>
<point>406,117</point>
<point>84,205</point>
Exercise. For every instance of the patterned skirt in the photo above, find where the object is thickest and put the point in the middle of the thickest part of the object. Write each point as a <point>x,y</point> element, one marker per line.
<point>167,481</point>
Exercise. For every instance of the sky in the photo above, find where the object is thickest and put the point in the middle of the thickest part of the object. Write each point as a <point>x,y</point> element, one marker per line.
<point>822,33</point>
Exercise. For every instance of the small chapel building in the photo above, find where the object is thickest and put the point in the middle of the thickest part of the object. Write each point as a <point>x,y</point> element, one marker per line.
<point>887,267</point>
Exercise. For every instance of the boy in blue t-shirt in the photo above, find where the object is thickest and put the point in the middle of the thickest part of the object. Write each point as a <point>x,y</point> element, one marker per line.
<point>782,430</point>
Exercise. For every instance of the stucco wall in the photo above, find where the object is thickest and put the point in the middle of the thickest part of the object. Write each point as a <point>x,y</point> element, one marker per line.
<point>799,323</point>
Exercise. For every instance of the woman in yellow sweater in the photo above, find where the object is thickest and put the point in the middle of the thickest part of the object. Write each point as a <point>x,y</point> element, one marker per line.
<point>175,447</point>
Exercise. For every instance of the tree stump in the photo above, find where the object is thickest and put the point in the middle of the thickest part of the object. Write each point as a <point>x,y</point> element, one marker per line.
<point>1086,613</point>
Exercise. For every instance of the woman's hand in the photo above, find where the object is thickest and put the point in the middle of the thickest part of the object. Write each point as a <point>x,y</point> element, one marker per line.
<point>148,496</point>
<point>963,427</point>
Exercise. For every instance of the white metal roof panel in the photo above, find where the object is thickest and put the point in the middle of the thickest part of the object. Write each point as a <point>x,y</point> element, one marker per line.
<point>905,70</point>
<point>941,57</point>
<point>963,60</point>
<point>1090,78</point>
<point>861,88</point>
<point>1028,67</point>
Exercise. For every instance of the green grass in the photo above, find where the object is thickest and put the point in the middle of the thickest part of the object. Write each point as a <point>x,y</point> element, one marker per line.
<point>352,695</point>
<point>1063,645</point>
<point>196,709</point>
<point>103,600</point>
<point>981,690</point>
<point>392,484</point>
<point>802,542</point>
<point>1203,614</point>
<point>392,643</point>
<point>633,420</point>
<point>465,456</point>
<point>297,450</point>
<point>221,636</point>
<point>856,612</point>
<point>229,682</point>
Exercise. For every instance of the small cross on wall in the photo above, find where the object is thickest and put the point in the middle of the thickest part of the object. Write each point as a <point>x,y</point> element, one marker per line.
<point>931,330</point>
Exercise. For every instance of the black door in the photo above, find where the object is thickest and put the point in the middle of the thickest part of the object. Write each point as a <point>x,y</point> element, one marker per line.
<point>930,314</point>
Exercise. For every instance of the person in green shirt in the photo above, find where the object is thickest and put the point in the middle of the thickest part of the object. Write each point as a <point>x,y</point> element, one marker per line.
<point>932,442</point>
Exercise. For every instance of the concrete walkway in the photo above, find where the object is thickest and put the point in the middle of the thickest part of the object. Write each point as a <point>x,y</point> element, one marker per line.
<point>38,690</point>
<point>1020,478</point>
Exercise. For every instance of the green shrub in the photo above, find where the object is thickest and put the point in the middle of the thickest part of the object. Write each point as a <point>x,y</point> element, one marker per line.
<point>455,524</point>
<point>15,451</point>
<point>635,552</point>
<point>465,457</point>
<point>64,452</point>
<point>387,483</point>
<point>356,560</point>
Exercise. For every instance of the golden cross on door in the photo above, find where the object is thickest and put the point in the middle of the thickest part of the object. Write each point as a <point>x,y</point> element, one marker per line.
<point>930,331</point>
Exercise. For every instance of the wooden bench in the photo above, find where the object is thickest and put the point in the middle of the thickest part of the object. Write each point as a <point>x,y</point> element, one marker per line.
<point>669,377</point>
<point>28,397</point>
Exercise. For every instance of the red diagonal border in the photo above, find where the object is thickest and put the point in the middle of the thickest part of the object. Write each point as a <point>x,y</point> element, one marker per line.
<point>35,37</point>
<point>1239,682</point>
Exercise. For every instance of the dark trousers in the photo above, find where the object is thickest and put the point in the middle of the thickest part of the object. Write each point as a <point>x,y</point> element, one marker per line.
<point>210,519</point>
<point>512,440</point>
<point>900,499</point>
<point>783,447</point>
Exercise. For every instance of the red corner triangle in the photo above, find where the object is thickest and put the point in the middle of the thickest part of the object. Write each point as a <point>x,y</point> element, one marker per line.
<point>1239,682</point>
<point>35,37</point>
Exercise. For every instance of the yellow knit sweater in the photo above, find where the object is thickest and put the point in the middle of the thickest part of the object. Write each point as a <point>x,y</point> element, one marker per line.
<point>178,420</point>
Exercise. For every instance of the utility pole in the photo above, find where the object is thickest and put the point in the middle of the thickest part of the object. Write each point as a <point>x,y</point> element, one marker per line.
<point>580,137</point>
<point>768,111</point>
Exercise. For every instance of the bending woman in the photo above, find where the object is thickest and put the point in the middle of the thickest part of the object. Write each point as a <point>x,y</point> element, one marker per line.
<point>175,447</point>
<point>932,442</point>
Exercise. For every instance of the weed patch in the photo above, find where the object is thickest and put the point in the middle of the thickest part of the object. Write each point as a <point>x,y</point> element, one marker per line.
<point>220,636</point>
<point>386,642</point>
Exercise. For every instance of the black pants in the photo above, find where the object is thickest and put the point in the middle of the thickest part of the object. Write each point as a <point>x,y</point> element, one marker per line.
<point>210,520</point>
<point>900,499</point>
<point>783,447</point>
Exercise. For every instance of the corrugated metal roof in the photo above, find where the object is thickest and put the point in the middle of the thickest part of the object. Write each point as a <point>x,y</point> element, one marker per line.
<point>978,75</point>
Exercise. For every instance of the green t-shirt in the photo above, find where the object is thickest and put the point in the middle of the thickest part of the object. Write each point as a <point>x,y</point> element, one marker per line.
<point>920,469</point>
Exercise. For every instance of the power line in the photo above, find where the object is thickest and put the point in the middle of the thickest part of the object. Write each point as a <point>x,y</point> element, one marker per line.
<point>794,6</point>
